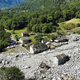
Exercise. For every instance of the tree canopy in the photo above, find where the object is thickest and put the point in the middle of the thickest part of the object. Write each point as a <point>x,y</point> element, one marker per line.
<point>11,73</point>
<point>4,38</point>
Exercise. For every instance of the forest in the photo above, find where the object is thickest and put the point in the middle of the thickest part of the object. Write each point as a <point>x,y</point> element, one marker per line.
<point>42,20</point>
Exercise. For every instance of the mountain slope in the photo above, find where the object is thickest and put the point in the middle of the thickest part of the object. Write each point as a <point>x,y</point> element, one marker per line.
<point>32,5</point>
<point>9,3</point>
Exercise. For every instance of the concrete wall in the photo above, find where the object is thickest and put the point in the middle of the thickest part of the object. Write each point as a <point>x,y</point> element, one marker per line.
<point>55,61</point>
<point>32,49</point>
<point>61,61</point>
<point>58,62</point>
<point>25,41</point>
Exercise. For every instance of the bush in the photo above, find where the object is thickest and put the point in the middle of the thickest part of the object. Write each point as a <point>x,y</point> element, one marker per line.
<point>74,32</point>
<point>78,25</point>
<point>28,46</point>
<point>13,31</point>
<point>22,45</point>
<point>38,38</point>
<point>78,32</point>
<point>52,36</point>
<point>60,32</point>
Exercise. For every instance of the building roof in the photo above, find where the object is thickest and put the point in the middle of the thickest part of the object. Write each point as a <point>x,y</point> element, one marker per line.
<point>61,38</point>
<point>25,38</point>
<point>32,33</point>
<point>61,56</point>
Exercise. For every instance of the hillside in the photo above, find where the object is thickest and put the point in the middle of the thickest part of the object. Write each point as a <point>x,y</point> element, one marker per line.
<point>32,5</point>
<point>9,3</point>
<point>43,20</point>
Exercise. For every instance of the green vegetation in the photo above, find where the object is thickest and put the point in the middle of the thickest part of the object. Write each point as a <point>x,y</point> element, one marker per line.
<point>33,5</point>
<point>42,20</point>
<point>68,26</point>
<point>72,26</point>
<point>42,16</point>
<point>4,38</point>
<point>11,73</point>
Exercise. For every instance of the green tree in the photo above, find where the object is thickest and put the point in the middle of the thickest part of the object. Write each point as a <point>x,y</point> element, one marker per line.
<point>49,19</point>
<point>11,73</point>
<point>4,37</point>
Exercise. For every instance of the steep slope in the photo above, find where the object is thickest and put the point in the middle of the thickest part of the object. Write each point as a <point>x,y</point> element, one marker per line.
<point>9,3</point>
<point>38,4</point>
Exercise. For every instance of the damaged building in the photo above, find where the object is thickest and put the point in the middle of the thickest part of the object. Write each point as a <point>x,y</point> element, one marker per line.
<point>60,59</point>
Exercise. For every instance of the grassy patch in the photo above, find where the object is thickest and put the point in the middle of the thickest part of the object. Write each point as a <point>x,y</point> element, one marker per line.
<point>32,36</point>
<point>18,32</point>
<point>70,26</point>
<point>74,20</point>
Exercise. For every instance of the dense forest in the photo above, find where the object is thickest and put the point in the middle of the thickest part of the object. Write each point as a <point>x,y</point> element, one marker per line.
<point>32,5</point>
<point>42,20</point>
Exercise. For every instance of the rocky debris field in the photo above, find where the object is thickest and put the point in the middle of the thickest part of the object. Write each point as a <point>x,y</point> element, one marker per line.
<point>30,64</point>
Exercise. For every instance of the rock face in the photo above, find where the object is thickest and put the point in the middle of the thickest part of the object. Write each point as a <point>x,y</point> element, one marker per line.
<point>38,48</point>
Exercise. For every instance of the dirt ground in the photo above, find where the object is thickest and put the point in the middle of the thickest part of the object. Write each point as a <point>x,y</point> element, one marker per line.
<point>17,49</point>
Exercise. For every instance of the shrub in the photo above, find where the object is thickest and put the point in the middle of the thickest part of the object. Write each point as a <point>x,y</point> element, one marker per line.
<point>28,46</point>
<point>52,36</point>
<point>22,45</point>
<point>78,25</point>
<point>60,32</point>
<point>74,32</point>
<point>13,31</point>
<point>78,32</point>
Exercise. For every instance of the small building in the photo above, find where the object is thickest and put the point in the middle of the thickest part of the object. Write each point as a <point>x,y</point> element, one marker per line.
<point>24,40</point>
<point>31,33</point>
<point>38,48</point>
<point>40,35</point>
<point>61,39</point>
<point>24,34</point>
<point>60,59</point>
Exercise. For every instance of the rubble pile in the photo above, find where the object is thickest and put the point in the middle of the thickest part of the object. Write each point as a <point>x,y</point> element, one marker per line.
<point>30,64</point>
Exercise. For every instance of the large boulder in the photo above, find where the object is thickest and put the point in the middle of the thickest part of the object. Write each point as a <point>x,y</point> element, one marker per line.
<point>76,38</point>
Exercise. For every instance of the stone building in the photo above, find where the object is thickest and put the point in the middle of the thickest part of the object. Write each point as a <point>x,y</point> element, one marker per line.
<point>24,40</point>
<point>38,48</point>
<point>24,34</point>
<point>60,59</point>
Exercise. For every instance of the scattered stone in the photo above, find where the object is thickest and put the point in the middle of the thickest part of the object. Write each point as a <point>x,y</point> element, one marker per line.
<point>30,64</point>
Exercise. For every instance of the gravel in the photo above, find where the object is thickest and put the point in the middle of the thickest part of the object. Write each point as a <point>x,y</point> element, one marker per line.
<point>29,64</point>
